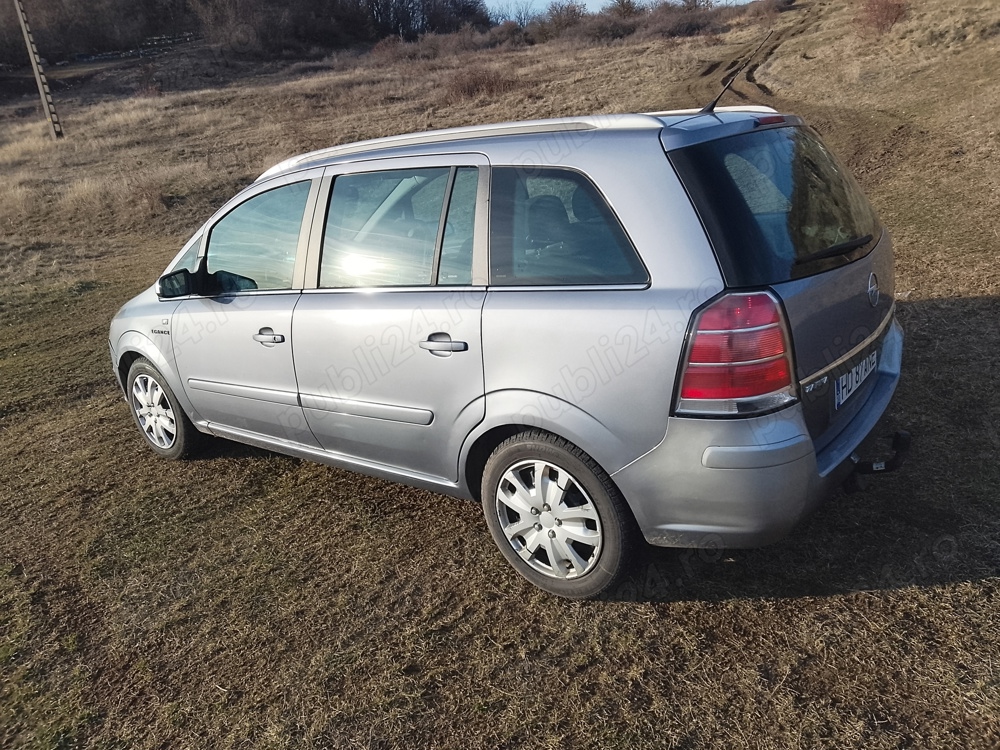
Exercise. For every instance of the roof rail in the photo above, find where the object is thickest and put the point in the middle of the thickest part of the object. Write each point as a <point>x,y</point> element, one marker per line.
<point>564,124</point>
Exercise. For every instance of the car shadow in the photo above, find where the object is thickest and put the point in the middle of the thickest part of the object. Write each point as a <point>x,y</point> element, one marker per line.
<point>211,448</point>
<point>933,522</point>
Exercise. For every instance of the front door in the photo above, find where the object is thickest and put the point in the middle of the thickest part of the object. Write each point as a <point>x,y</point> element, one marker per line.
<point>234,355</point>
<point>232,343</point>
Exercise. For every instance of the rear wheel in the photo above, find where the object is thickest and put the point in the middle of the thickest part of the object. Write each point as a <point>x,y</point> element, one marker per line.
<point>156,413</point>
<point>556,516</point>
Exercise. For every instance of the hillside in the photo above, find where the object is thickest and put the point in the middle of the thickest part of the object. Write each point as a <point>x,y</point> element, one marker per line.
<point>252,600</point>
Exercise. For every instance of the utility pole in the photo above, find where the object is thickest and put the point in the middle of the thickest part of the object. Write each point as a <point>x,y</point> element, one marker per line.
<point>36,64</point>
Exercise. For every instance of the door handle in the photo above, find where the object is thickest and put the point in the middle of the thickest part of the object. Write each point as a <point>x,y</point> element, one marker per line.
<point>444,346</point>
<point>441,345</point>
<point>268,337</point>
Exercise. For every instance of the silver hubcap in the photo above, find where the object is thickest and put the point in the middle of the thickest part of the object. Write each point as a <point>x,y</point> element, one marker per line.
<point>549,519</point>
<point>156,417</point>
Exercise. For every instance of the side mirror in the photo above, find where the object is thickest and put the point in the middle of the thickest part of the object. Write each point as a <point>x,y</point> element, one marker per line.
<point>176,284</point>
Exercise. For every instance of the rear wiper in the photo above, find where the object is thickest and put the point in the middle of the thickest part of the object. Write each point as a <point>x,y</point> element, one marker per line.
<point>842,249</point>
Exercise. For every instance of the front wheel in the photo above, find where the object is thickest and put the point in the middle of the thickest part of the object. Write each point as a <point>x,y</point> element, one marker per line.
<point>156,413</point>
<point>556,516</point>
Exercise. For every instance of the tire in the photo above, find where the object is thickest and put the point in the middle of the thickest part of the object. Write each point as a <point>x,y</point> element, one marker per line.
<point>156,412</point>
<point>589,529</point>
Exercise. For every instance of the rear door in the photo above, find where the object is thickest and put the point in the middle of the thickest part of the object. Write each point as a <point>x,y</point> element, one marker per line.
<point>784,213</point>
<point>388,346</point>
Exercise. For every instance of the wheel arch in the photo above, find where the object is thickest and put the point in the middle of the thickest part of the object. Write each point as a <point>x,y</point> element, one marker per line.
<point>513,411</point>
<point>131,346</point>
<point>480,452</point>
<point>125,363</point>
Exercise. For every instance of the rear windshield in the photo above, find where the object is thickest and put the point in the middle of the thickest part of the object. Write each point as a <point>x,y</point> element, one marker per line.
<point>777,205</point>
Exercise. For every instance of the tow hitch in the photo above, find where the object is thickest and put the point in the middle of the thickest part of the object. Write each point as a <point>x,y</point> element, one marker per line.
<point>900,447</point>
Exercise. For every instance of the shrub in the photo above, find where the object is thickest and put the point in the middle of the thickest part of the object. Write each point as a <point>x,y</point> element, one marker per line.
<point>389,49</point>
<point>766,11</point>
<point>881,15</point>
<point>148,85</point>
<point>239,26</point>
<point>563,14</point>
<point>480,81</point>
<point>606,27</point>
<point>670,20</point>
<point>559,17</point>
<point>624,8</point>
<point>507,34</point>
<point>433,46</point>
<point>466,39</point>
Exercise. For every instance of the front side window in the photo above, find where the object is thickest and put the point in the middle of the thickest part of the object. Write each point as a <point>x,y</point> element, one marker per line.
<point>552,227</point>
<point>407,227</point>
<point>254,245</point>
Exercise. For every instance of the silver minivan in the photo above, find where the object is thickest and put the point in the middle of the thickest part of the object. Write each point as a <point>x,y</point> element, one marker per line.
<point>675,326</point>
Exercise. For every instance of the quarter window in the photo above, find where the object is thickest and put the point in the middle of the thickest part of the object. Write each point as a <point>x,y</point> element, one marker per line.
<point>456,250</point>
<point>254,245</point>
<point>552,227</point>
<point>411,227</point>
<point>189,258</point>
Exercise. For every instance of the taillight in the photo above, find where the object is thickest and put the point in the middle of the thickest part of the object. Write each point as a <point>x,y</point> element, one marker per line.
<point>738,360</point>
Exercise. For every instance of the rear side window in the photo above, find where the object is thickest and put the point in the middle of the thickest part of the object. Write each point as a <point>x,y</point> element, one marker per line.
<point>777,205</point>
<point>411,227</point>
<point>552,227</point>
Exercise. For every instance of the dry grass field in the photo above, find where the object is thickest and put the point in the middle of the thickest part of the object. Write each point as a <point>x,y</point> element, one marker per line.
<point>249,600</point>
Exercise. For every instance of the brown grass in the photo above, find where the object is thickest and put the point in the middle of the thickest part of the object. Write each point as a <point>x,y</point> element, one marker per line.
<point>251,600</point>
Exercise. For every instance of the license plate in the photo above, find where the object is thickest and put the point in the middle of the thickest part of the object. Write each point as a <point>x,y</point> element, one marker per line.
<point>850,381</point>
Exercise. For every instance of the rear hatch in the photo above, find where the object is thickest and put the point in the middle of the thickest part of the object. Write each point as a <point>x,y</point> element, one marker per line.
<point>784,214</point>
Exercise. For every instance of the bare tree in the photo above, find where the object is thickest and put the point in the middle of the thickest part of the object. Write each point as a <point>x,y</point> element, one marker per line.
<point>522,12</point>
<point>499,14</point>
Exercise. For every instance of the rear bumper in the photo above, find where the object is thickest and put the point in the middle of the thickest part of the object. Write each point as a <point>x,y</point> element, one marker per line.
<point>748,482</point>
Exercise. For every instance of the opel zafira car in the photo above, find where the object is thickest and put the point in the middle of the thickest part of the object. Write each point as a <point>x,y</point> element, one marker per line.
<point>676,327</point>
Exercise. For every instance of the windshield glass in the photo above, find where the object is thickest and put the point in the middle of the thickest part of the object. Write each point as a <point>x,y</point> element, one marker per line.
<point>777,205</point>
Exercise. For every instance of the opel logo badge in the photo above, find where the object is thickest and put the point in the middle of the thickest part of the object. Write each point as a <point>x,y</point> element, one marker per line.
<point>872,289</point>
